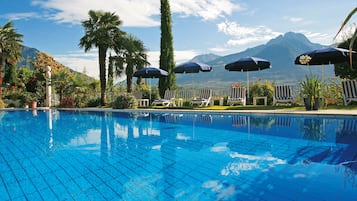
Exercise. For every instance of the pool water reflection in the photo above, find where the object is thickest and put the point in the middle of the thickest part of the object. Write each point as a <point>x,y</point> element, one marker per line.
<point>73,155</point>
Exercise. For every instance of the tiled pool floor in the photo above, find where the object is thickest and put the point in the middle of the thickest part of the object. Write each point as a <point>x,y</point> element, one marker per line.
<point>108,156</point>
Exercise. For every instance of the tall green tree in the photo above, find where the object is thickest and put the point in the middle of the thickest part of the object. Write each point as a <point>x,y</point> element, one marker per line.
<point>100,30</point>
<point>130,56</point>
<point>166,49</point>
<point>10,74</point>
<point>10,47</point>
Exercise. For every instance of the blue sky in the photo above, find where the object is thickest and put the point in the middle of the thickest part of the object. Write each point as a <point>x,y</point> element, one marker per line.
<point>199,26</point>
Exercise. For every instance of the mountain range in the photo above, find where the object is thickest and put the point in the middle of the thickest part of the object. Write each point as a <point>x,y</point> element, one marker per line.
<point>280,51</point>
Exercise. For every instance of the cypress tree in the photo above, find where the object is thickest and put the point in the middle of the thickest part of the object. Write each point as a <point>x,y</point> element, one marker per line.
<point>166,49</point>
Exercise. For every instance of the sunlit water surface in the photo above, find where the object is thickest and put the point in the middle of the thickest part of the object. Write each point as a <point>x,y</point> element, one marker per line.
<point>69,155</point>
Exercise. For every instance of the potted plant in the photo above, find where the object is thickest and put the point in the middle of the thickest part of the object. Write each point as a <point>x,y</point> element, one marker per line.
<point>31,99</point>
<point>310,90</point>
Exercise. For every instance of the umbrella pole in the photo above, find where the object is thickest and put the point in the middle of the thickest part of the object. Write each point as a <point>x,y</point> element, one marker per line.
<point>193,86</point>
<point>248,84</point>
<point>322,72</point>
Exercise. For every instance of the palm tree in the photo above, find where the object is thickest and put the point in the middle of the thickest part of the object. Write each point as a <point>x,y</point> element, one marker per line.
<point>354,36</point>
<point>131,56</point>
<point>10,47</point>
<point>100,31</point>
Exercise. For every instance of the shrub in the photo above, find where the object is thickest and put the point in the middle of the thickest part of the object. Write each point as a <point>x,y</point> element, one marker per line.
<point>16,98</point>
<point>125,101</point>
<point>261,89</point>
<point>2,104</point>
<point>67,102</point>
<point>95,102</point>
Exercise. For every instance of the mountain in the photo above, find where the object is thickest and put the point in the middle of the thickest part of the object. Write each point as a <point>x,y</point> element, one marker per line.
<point>204,58</point>
<point>29,54</point>
<point>280,51</point>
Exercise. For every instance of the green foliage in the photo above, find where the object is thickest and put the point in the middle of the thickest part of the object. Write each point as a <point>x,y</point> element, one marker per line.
<point>311,89</point>
<point>101,31</point>
<point>332,92</point>
<point>345,70</point>
<point>261,89</point>
<point>10,74</point>
<point>23,76</point>
<point>125,101</point>
<point>130,57</point>
<point>95,102</point>
<point>10,46</point>
<point>67,102</point>
<point>19,98</point>
<point>2,104</point>
<point>166,49</point>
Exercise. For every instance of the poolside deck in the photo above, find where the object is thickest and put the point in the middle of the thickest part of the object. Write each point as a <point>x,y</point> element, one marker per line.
<point>349,112</point>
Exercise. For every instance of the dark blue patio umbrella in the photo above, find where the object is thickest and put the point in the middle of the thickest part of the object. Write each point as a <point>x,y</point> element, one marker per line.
<point>192,67</point>
<point>151,72</point>
<point>322,56</point>
<point>326,55</point>
<point>247,64</point>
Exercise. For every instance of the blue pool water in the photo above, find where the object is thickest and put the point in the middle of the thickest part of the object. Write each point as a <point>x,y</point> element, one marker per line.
<point>69,155</point>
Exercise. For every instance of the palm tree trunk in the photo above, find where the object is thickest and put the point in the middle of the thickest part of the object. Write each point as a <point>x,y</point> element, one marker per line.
<point>129,77</point>
<point>102,74</point>
<point>1,67</point>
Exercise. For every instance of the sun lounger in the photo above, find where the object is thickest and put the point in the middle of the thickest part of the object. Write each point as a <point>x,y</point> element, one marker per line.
<point>204,98</point>
<point>238,96</point>
<point>283,94</point>
<point>349,88</point>
<point>142,102</point>
<point>169,99</point>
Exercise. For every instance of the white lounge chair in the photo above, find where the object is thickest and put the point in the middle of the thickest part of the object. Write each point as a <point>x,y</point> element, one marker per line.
<point>142,102</point>
<point>169,99</point>
<point>204,98</point>
<point>349,88</point>
<point>238,96</point>
<point>283,94</point>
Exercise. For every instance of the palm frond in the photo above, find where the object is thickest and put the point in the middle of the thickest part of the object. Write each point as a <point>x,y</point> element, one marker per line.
<point>346,21</point>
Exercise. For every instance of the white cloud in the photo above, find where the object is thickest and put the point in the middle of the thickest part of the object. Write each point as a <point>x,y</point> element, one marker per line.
<point>316,37</point>
<point>218,49</point>
<point>246,35</point>
<point>135,12</point>
<point>206,9</point>
<point>20,16</point>
<point>132,13</point>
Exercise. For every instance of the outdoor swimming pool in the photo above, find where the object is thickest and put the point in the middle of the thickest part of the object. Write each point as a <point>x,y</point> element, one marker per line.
<point>71,155</point>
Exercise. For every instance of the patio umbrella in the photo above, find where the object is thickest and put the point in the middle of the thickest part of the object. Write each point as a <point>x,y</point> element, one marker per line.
<point>192,67</point>
<point>247,64</point>
<point>322,56</point>
<point>151,72</point>
<point>326,55</point>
